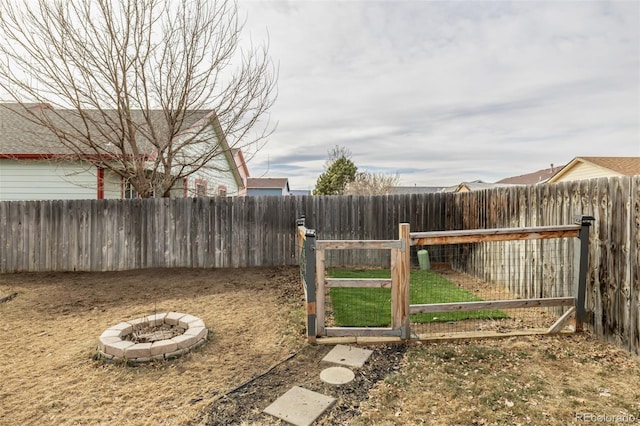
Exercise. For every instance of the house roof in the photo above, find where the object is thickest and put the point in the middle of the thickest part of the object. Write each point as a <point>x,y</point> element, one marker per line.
<point>19,135</point>
<point>629,166</point>
<point>475,185</point>
<point>267,183</point>
<point>415,189</point>
<point>624,166</point>
<point>22,134</point>
<point>533,178</point>
<point>238,157</point>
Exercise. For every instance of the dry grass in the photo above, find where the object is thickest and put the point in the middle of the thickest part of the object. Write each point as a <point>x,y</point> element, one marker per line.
<point>551,380</point>
<point>49,335</point>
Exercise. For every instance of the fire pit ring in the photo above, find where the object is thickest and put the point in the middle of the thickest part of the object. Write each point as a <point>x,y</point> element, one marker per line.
<point>155,337</point>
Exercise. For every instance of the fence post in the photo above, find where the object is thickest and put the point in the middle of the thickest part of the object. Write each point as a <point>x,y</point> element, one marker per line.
<point>583,235</point>
<point>310,279</point>
<point>320,299</point>
<point>402,270</point>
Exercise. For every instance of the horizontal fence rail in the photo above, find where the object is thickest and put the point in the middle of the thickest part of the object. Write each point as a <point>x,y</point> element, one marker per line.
<point>486,235</point>
<point>358,282</point>
<point>494,304</point>
<point>358,244</point>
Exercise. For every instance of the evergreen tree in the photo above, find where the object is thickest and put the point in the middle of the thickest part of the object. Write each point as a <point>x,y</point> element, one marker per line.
<point>339,170</point>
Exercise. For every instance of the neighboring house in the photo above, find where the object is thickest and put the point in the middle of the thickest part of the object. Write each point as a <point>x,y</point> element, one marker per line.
<point>476,185</point>
<point>596,167</point>
<point>34,165</point>
<point>399,190</point>
<point>540,176</point>
<point>578,168</point>
<point>267,186</point>
<point>300,192</point>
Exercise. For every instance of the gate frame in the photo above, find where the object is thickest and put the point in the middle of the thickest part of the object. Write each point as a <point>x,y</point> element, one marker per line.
<point>315,282</point>
<point>399,284</point>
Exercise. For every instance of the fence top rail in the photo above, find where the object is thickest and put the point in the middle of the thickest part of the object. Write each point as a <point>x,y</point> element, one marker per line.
<point>494,234</point>
<point>358,244</point>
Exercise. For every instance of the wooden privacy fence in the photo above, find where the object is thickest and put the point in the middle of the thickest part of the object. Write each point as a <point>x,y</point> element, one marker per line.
<point>316,282</point>
<point>111,235</point>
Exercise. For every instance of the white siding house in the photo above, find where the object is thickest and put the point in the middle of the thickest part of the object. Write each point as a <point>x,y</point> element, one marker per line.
<point>596,167</point>
<point>46,180</point>
<point>211,182</point>
<point>32,168</point>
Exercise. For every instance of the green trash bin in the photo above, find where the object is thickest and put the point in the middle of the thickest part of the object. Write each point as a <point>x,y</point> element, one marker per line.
<point>423,260</point>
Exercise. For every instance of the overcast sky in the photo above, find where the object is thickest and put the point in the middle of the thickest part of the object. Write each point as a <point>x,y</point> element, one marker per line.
<point>446,92</point>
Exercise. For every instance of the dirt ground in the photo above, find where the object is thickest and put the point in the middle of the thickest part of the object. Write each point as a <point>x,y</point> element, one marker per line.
<point>49,336</point>
<point>256,352</point>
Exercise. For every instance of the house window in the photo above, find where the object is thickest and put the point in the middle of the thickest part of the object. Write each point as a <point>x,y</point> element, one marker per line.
<point>222,191</point>
<point>201,188</point>
<point>129,191</point>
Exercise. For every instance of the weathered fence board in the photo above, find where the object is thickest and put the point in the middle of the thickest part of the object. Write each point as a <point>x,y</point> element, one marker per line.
<point>633,339</point>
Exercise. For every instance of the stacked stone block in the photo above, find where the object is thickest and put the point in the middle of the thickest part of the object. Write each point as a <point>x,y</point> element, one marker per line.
<point>113,344</point>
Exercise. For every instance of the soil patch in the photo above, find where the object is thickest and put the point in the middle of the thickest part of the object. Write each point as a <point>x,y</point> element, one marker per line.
<point>150,334</point>
<point>244,405</point>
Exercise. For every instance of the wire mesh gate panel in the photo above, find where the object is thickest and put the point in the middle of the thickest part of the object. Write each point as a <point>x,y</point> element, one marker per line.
<point>464,278</point>
<point>488,282</point>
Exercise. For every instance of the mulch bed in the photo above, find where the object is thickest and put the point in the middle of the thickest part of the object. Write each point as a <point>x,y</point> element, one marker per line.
<point>245,403</point>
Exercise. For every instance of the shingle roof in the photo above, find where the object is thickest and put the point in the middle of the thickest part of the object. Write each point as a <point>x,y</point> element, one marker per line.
<point>415,189</point>
<point>539,176</point>
<point>476,185</point>
<point>265,183</point>
<point>629,166</point>
<point>21,135</point>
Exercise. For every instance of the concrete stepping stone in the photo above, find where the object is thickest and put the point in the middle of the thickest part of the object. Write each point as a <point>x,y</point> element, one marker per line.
<point>337,375</point>
<point>348,355</point>
<point>299,406</point>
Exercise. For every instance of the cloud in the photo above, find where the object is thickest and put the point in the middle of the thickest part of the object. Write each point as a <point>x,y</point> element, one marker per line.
<point>444,92</point>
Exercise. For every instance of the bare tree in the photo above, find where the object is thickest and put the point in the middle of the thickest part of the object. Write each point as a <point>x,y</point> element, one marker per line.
<point>132,84</point>
<point>367,183</point>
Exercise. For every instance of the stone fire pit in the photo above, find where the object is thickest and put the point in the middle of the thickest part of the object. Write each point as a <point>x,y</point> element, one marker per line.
<point>155,337</point>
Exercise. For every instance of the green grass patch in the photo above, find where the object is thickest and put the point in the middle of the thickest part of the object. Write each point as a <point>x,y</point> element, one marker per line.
<point>371,307</point>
